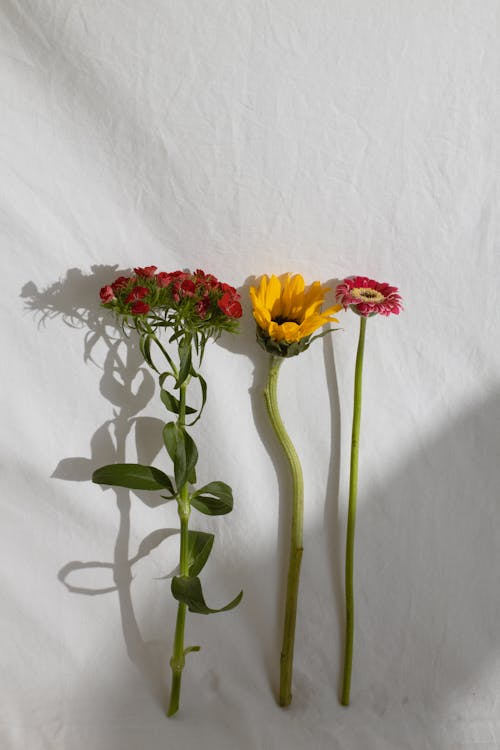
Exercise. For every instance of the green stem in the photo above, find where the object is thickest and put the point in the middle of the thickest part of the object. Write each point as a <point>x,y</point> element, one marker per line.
<point>351,517</point>
<point>164,352</point>
<point>296,542</point>
<point>178,656</point>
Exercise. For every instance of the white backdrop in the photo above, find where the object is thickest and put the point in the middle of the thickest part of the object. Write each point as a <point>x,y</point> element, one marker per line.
<point>249,137</point>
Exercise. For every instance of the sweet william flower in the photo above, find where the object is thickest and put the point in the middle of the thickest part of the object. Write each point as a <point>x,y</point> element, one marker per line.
<point>120,283</point>
<point>287,313</point>
<point>165,279</point>
<point>190,308</point>
<point>368,297</point>
<point>198,303</point>
<point>188,288</point>
<point>202,308</point>
<point>230,305</point>
<point>137,293</point>
<point>140,308</point>
<point>107,294</point>
<point>148,271</point>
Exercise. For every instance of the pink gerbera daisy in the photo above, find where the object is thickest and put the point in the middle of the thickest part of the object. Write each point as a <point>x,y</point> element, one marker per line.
<point>368,297</point>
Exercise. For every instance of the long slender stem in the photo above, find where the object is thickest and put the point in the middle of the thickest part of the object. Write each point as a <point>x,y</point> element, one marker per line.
<point>351,517</point>
<point>296,540</point>
<point>178,658</point>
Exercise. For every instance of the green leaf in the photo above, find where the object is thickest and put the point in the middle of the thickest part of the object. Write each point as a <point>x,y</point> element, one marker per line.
<point>164,376</point>
<point>191,458</point>
<point>182,450</point>
<point>145,347</point>
<point>190,649</point>
<point>173,404</point>
<point>214,499</point>
<point>133,476</point>
<point>171,439</point>
<point>184,360</point>
<point>324,333</point>
<point>203,385</point>
<point>187,589</point>
<point>199,547</point>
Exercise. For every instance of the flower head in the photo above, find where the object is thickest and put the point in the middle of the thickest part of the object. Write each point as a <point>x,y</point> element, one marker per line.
<point>192,302</point>
<point>368,297</point>
<point>147,272</point>
<point>287,313</point>
<point>107,294</point>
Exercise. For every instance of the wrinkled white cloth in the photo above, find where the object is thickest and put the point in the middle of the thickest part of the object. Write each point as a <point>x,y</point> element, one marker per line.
<point>246,138</point>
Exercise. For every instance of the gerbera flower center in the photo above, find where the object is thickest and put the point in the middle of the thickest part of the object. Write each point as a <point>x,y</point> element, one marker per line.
<point>367,294</point>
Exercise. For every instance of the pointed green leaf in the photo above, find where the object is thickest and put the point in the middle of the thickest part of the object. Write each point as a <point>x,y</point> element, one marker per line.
<point>145,347</point>
<point>323,333</point>
<point>214,499</point>
<point>133,476</point>
<point>199,547</point>
<point>173,404</point>
<point>191,457</point>
<point>190,649</point>
<point>187,589</point>
<point>203,385</point>
<point>170,438</point>
<point>163,377</point>
<point>184,360</point>
<point>182,450</point>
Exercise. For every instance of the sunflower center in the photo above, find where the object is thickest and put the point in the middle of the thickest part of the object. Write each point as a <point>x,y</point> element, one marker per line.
<point>367,295</point>
<point>279,319</point>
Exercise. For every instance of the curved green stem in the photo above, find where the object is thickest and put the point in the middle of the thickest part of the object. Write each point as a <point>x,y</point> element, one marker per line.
<point>178,656</point>
<point>164,352</point>
<point>351,517</point>
<point>296,542</point>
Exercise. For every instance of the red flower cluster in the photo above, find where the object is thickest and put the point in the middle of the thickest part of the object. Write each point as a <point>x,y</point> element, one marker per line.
<point>138,294</point>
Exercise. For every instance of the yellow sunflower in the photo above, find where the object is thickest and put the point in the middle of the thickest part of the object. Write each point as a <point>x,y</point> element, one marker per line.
<point>287,313</point>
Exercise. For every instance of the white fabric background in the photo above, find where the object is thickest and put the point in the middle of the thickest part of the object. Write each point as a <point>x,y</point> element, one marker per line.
<point>249,137</point>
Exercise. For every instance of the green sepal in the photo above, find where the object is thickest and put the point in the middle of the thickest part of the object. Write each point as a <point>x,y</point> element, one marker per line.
<point>282,348</point>
<point>214,499</point>
<point>199,546</point>
<point>134,477</point>
<point>187,589</point>
<point>173,404</point>
<point>182,450</point>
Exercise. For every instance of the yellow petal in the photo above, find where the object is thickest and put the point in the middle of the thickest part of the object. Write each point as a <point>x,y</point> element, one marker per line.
<point>310,325</point>
<point>290,332</point>
<point>273,296</point>
<point>262,317</point>
<point>284,332</point>
<point>292,297</point>
<point>331,310</point>
<point>312,308</point>
<point>314,293</point>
